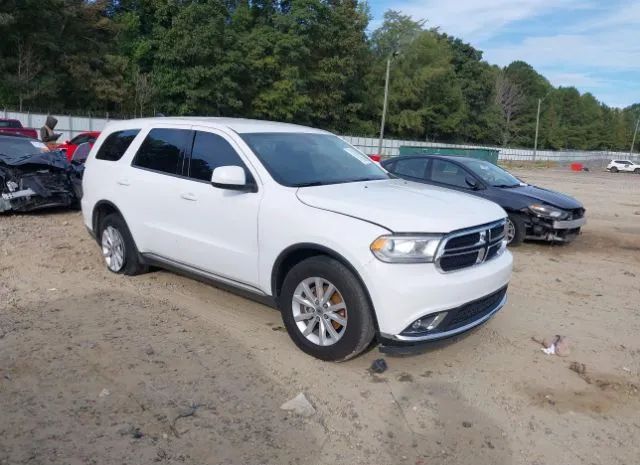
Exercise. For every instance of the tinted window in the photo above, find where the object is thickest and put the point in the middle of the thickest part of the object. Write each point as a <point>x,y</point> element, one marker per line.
<point>81,153</point>
<point>449,173</point>
<point>209,152</point>
<point>414,167</point>
<point>80,139</point>
<point>163,150</point>
<point>116,144</point>
<point>306,159</point>
<point>10,123</point>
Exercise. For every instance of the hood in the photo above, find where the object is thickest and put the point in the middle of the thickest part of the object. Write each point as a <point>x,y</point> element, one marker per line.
<point>403,206</point>
<point>533,194</point>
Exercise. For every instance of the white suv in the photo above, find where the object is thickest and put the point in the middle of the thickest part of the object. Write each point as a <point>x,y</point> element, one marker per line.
<point>623,165</point>
<point>296,217</point>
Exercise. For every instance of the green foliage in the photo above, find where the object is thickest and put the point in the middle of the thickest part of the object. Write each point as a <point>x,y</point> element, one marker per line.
<point>304,61</point>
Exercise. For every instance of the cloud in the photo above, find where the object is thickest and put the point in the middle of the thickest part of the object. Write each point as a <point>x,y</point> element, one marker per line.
<point>474,20</point>
<point>592,45</point>
<point>617,49</point>
<point>575,79</point>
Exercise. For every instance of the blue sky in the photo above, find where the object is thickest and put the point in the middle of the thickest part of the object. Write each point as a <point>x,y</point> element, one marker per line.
<point>593,45</point>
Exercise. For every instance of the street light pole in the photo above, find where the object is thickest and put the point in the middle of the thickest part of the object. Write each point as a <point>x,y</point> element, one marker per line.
<point>535,142</point>
<point>633,140</point>
<point>384,104</point>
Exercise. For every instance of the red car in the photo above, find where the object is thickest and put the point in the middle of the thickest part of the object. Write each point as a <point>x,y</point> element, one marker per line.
<point>70,146</point>
<point>14,126</point>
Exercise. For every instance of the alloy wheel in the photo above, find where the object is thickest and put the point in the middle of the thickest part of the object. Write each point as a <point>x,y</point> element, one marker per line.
<point>113,248</point>
<point>319,311</point>
<point>511,230</point>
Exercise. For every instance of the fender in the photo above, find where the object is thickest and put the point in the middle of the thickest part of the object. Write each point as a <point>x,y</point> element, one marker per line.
<point>276,281</point>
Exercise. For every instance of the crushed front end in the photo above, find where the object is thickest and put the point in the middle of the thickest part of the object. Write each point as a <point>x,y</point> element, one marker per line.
<point>38,181</point>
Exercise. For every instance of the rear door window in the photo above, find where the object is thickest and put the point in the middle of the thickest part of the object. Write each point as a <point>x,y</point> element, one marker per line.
<point>116,144</point>
<point>412,167</point>
<point>209,152</point>
<point>163,150</point>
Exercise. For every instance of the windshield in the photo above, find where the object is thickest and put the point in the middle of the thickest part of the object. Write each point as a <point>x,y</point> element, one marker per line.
<point>305,159</point>
<point>491,174</point>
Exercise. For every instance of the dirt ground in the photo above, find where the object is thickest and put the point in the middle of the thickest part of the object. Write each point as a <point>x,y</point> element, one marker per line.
<point>103,369</point>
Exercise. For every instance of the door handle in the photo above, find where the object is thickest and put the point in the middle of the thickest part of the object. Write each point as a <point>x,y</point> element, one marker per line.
<point>123,182</point>
<point>189,196</point>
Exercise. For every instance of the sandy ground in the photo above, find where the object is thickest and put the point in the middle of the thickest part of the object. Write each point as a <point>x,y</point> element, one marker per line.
<point>103,369</point>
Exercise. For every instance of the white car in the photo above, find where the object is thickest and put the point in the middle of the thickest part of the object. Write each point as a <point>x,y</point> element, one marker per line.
<point>623,165</point>
<point>298,218</point>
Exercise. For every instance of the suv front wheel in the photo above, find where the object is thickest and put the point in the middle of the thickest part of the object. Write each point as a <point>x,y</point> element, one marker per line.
<point>118,248</point>
<point>326,310</point>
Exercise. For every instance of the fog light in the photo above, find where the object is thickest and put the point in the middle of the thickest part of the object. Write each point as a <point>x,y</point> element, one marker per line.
<point>425,324</point>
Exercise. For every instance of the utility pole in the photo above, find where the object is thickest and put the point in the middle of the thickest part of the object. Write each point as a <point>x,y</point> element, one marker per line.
<point>535,142</point>
<point>633,140</point>
<point>384,104</point>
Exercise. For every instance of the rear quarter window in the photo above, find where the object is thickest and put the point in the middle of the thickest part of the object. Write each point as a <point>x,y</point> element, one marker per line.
<point>116,144</point>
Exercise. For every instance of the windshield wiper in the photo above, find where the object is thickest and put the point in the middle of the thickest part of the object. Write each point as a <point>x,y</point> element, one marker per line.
<point>508,186</point>
<point>309,184</point>
<point>340,181</point>
<point>361,179</point>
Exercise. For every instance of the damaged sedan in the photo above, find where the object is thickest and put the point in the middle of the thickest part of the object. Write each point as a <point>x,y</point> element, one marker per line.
<point>533,212</point>
<point>33,177</point>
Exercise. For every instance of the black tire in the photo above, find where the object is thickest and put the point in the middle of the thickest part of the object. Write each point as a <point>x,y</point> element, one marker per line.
<point>520,229</point>
<point>614,169</point>
<point>132,265</point>
<point>360,328</point>
<point>637,171</point>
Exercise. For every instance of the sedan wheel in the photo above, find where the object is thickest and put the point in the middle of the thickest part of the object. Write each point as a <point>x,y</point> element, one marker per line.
<point>319,311</point>
<point>511,230</point>
<point>113,249</point>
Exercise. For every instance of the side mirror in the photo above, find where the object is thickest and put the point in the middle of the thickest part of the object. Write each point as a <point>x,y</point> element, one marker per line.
<point>232,178</point>
<point>472,183</point>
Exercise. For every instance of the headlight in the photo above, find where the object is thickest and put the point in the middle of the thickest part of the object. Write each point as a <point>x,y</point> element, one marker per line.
<point>406,249</point>
<point>548,211</point>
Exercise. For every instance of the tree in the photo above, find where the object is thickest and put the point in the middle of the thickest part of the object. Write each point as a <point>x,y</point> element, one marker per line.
<point>305,61</point>
<point>510,99</point>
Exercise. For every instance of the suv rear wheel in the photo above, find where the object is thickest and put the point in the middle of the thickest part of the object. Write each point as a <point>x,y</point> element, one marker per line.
<point>118,248</point>
<point>614,169</point>
<point>325,309</point>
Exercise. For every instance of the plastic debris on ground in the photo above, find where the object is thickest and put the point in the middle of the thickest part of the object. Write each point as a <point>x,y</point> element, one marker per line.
<point>299,405</point>
<point>555,345</point>
<point>378,366</point>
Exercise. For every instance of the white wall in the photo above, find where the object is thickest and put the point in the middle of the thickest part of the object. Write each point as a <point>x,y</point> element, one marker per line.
<point>70,126</point>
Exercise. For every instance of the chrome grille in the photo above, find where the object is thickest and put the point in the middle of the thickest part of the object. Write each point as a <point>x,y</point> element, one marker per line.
<point>470,247</point>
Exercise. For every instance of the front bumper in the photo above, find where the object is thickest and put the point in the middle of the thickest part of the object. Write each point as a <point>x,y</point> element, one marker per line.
<point>458,320</point>
<point>571,224</point>
<point>554,230</point>
<point>404,293</point>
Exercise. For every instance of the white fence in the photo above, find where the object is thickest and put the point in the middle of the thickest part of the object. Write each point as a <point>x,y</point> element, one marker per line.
<point>70,126</point>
